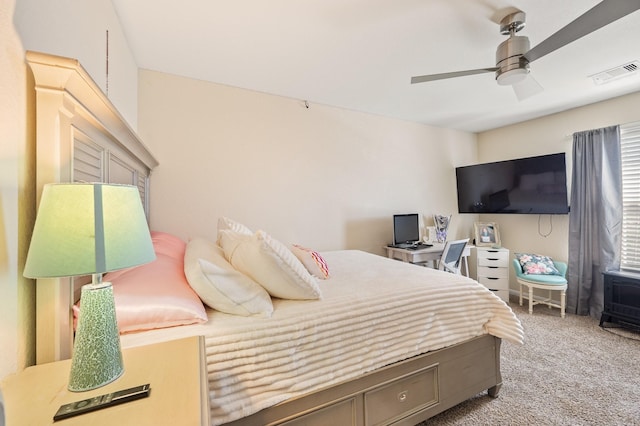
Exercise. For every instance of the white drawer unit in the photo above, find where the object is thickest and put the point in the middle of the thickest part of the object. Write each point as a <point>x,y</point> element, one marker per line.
<point>493,270</point>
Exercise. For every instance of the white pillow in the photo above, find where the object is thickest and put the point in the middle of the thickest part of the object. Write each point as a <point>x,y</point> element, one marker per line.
<point>270,263</point>
<point>312,260</point>
<point>224,224</point>
<point>219,285</point>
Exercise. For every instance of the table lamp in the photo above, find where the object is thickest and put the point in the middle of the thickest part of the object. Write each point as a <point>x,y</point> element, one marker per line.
<point>82,229</point>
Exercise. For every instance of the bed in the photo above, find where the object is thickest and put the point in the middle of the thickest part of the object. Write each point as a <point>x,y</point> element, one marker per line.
<point>377,341</point>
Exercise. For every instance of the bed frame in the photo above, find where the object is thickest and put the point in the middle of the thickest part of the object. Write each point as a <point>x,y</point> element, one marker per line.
<point>80,136</point>
<point>404,393</point>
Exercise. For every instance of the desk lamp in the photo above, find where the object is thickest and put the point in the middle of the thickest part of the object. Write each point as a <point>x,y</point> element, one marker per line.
<point>82,229</point>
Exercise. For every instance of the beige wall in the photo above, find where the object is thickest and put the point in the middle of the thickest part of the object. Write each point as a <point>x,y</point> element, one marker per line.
<point>16,293</point>
<point>78,29</point>
<point>321,176</point>
<point>525,233</point>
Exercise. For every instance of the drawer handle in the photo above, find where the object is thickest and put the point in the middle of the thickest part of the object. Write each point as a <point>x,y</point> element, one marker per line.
<point>402,396</point>
<point>492,278</point>
<point>492,258</point>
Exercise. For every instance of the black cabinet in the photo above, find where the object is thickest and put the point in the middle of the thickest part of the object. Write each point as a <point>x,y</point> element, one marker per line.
<point>621,298</point>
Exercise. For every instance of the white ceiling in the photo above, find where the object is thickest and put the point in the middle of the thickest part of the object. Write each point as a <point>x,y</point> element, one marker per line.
<point>361,54</point>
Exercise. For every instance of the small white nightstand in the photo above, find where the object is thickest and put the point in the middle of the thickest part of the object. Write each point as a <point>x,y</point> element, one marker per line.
<point>493,270</point>
<point>176,371</point>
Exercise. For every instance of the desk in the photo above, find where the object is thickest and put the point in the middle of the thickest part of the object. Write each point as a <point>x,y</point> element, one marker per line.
<point>429,254</point>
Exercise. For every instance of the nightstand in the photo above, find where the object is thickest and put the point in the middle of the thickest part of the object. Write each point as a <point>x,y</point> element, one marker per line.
<point>176,371</point>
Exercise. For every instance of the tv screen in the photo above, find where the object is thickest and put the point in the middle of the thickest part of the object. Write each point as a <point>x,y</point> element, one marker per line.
<point>532,185</point>
<point>406,229</point>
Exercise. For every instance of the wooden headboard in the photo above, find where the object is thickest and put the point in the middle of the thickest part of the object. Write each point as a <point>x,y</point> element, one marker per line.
<point>80,137</point>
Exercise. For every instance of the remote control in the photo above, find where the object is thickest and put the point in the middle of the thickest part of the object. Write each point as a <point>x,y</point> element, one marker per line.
<point>102,401</point>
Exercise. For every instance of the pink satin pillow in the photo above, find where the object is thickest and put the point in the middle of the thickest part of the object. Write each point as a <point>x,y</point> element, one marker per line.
<point>168,244</point>
<point>157,294</point>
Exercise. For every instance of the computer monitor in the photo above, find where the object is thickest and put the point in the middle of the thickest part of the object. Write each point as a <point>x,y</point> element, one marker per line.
<point>406,229</point>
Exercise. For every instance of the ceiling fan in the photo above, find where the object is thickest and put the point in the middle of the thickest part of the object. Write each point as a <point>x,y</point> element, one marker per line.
<point>513,55</point>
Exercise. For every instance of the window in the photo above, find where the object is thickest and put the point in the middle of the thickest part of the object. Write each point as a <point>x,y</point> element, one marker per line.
<point>630,152</point>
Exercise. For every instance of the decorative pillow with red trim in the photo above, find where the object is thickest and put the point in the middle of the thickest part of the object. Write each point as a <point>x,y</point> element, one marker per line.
<point>312,260</point>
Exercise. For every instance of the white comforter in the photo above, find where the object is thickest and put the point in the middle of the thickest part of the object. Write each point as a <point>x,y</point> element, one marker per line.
<point>374,311</point>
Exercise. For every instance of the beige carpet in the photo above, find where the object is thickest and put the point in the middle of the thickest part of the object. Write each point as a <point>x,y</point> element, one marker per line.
<point>569,372</point>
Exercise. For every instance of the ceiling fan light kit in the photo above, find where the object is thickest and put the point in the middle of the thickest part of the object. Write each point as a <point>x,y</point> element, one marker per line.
<point>514,55</point>
<point>512,68</point>
<point>511,77</point>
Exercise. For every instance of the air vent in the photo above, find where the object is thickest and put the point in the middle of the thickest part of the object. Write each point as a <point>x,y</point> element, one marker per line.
<point>616,73</point>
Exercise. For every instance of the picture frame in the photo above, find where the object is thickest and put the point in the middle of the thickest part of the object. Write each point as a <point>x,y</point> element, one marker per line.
<point>487,234</point>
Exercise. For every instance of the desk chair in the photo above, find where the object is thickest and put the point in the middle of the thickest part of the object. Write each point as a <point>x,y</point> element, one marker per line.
<point>544,282</point>
<point>451,255</point>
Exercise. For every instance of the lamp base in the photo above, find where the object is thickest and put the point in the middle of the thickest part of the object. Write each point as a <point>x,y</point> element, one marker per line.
<point>97,358</point>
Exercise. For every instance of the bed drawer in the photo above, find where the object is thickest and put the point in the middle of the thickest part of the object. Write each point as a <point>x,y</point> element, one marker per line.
<point>402,397</point>
<point>340,413</point>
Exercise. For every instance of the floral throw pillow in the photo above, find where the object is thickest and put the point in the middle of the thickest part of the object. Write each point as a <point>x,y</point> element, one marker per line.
<point>535,264</point>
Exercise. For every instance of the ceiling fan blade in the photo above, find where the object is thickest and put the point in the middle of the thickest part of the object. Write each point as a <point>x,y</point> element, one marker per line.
<point>432,77</point>
<point>527,88</point>
<point>597,17</point>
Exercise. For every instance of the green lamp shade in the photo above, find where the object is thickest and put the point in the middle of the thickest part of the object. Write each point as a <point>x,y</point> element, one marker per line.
<point>86,229</point>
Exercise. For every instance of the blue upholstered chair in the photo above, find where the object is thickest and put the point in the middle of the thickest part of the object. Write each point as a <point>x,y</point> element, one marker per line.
<point>544,282</point>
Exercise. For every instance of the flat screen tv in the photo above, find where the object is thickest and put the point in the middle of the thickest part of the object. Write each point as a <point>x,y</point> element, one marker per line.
<point>532,185</point>
<point>406,229</point>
